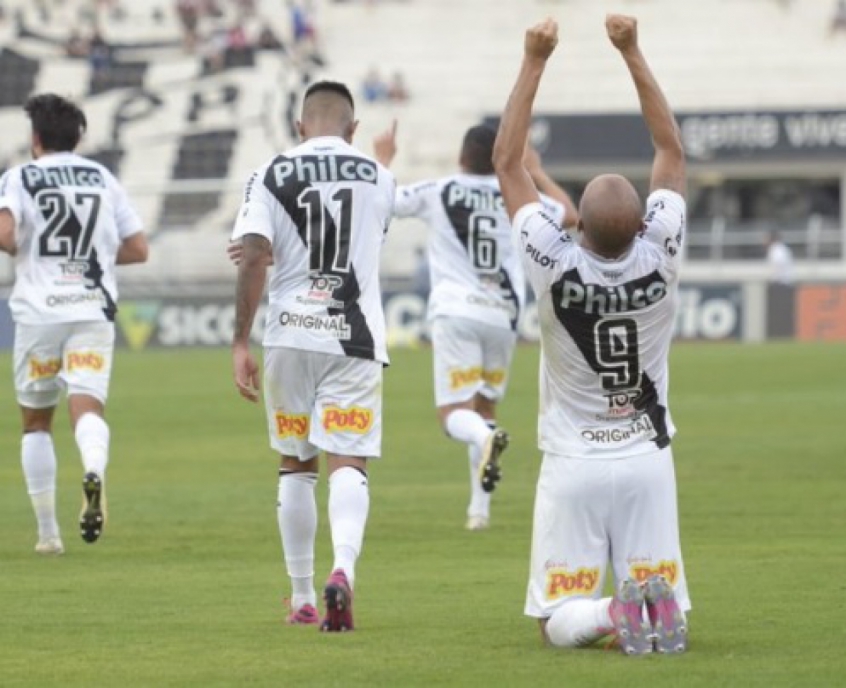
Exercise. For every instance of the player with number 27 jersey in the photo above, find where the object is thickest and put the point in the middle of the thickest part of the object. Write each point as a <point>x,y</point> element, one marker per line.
<point>604,389</point>
<point>325,208</point>
<point>71,217</point>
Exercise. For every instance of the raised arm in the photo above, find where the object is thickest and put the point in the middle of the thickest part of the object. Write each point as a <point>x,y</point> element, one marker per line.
<point>517,186</point>
<point>668,167</point>
<point>385,145</point>
<point>547,185</point>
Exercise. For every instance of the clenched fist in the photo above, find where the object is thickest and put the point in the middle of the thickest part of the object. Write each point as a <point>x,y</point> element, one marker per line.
<point>541,39</point>
<point>622,31</point>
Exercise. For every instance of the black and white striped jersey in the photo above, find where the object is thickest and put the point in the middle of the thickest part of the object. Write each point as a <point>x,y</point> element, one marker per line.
<point>606,329</point>
<point>474,267</point>
<point>71,216</point>
<point>325,207</point>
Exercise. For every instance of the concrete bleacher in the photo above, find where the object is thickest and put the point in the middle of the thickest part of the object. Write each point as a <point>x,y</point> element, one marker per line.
<point>458,58</point>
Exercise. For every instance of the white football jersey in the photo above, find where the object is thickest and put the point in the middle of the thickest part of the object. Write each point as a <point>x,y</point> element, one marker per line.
<point>71,216</point>
<point>325,207</point>
<point>606,328</point>
<point>473,263</point>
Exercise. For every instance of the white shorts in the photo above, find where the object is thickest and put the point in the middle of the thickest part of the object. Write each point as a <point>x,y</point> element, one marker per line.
<point>76,356</point>
<point>317,401</point>
<point>588,511</point>
<point>470,358</point>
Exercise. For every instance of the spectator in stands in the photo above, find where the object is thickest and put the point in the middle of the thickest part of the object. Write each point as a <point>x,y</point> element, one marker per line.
<point>838,20</point>
<point>188,12</point>
<point>268,40</point>
<point>373,88</point>
<point>780,260</point>
<point>76,45</point>
<point>397,90</point>
<point>99,57</point>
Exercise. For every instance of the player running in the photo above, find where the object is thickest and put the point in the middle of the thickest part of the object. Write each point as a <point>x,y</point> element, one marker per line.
<point>477,296</point>
<point>607,486</point>
<point>318,213</point>
<point>68,222</point>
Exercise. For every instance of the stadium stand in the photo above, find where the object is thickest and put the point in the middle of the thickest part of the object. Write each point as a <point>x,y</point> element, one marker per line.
<point>183,114</point>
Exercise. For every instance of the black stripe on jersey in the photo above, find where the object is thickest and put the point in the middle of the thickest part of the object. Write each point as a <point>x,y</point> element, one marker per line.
<point>94,275</point>
<point>581,307</point>
<point>510,295</point>
<point>360,344</point>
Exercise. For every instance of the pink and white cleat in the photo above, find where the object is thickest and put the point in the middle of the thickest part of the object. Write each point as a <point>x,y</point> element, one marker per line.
<point>338,596</point>
<point>634,636</point>
<point>668,623</point>
<point>304,616</point>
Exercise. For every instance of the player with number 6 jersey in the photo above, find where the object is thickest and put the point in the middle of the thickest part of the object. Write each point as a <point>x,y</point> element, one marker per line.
<point>318,213</point>
<point>477,297</point>
<point>68,222</point>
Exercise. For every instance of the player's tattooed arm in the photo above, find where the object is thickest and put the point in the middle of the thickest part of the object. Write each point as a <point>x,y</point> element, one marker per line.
<point>252,271</point>
<point>547,185</point>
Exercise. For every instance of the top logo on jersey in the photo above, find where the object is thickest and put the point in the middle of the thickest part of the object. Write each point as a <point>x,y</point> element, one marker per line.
<point>307,169</point>
<point>598,299</point>
<point>470,198</point>
<point>36,177</point>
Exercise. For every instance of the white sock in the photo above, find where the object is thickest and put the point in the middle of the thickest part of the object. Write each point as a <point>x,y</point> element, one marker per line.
<point>92,438</point>
<point>467,426</point>
<point>296,513</point>
<point>349,502</point>
<point>579,623</point>
<point>480,501</point>
<point>38,459</point>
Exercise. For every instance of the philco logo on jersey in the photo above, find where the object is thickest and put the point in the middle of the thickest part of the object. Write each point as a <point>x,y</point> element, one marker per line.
<point>291,425</point>
<point>642,425</point>
<point>642,570</point>
<point>355,419</point>
<point>460,196</point>
<point>561,582</point>
<point>324,168</point>
<point>469,376</point>
<point>40,370</point>
<point>35,177</point>
<point>333,325</point>
<point>88,360</point>
<point>597,299</point>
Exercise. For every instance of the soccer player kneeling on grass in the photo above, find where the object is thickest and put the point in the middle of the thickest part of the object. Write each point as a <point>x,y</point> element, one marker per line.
<point>606,307</point>
<point>68,222</point>
<point>318,213</point>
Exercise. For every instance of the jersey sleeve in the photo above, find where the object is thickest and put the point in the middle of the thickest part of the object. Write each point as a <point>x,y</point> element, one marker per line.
<point>553,208</point>
<point>544,245</point>
<point>665,223</point>
<point>126,218</point>
<point>413,200</point>
<point>10,194</point>
<point>256,213</point>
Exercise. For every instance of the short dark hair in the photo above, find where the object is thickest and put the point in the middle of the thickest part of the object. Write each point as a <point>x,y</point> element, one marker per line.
<point>58,122</point>
<point>477,149</point>
<point>335,87</point>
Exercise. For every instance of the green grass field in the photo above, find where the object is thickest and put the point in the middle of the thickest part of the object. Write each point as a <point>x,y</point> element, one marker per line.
<point>185,587</point>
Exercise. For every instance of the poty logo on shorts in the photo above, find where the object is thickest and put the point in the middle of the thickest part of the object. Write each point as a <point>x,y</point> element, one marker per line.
<point>40,370</point>
<point>355,419</point>
<point>291,425</point>
<point>561,582</point>
<point>85,361</point>
<point>469,376</point>
<point>641,571</point>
